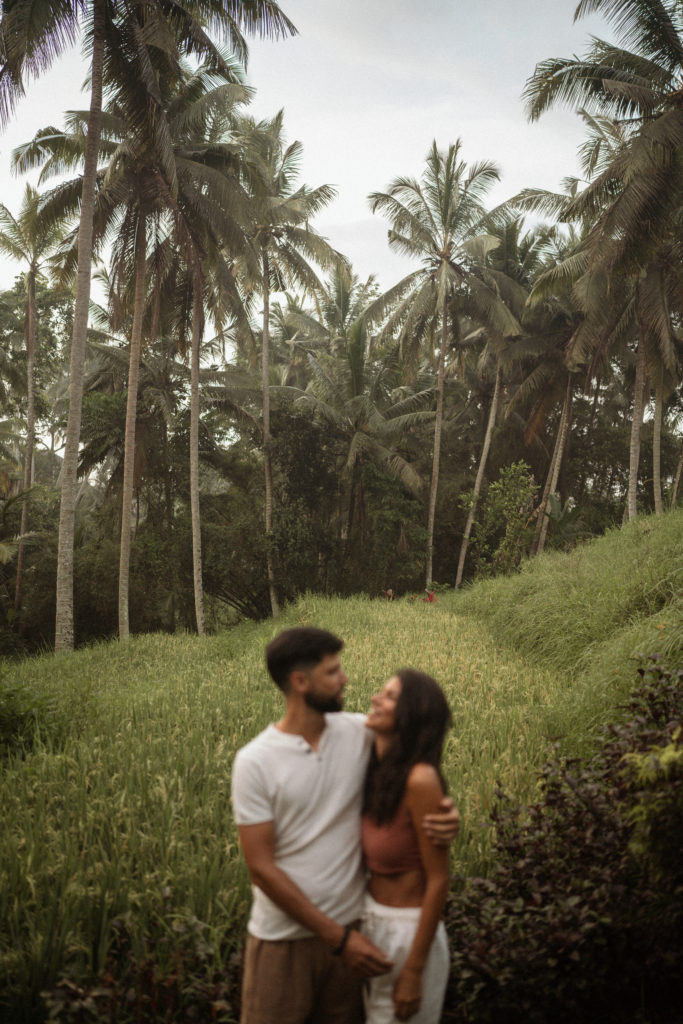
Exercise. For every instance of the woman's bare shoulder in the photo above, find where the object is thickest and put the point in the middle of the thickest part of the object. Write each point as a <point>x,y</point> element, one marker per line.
<point>423,779</point>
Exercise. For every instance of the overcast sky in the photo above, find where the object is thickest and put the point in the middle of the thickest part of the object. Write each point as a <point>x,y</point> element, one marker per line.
<point>367,85</point>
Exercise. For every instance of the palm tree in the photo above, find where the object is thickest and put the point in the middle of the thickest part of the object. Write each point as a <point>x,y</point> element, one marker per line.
<point>29,239</point>
<point>361,401</point>
<point>665,383</point>
<point>9,465</point>
<point>203,218</point>
<point>640,87</point>
<point>512,266</point>
<point>211,222</point>
<point>163,390</point>
<point>285,243</point>
<point>289,342</point>
<point>622,311</point>
<point>31,36</point>
<point>12,379</point>
<point>677,479</point>
<point>64,629</point>
<point>634,195</point>
<point>29,45</point>
<point>439,220</point>
<point>342,301</point>
<point>188,208</point>
<point>637,186</point>
<point>552,321</point>
<point>572,304</point>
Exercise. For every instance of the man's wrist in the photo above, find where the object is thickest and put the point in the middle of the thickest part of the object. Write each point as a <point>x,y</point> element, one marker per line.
<point>341,945</point>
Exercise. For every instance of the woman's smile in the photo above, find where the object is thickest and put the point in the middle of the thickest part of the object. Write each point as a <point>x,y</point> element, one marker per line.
<point>382,715</point>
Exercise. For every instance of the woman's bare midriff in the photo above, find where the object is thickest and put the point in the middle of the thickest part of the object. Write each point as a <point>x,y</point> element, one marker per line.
<point>404,890</point>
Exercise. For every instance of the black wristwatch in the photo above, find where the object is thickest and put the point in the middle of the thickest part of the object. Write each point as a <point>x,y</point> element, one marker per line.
<point>338,950</point>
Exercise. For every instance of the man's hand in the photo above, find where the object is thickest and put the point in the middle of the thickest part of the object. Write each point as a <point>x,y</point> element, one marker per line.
<point>364,957</point>
<point>442,828</point>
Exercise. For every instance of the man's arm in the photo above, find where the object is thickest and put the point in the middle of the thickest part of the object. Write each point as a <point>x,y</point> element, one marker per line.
<point>442,828</point>
<point>258,846</point>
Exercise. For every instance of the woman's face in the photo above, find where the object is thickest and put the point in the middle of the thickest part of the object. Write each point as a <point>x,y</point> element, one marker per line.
<point>382,716</point>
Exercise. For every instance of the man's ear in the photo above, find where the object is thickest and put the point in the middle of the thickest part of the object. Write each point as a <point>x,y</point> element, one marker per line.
<point>298,681</point>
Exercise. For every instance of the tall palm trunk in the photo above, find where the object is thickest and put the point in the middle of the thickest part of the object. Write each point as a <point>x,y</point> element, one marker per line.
<point>265,383</point>
<point>554,470</point>
<point>173,582</point>
<point>131,417</point>
<point>493,411</point>
<point>434,485</point>
<point>638,408</point>
<point>64,624</point>
<point>677,479</point>
<point>197,332</point>
<point>30,334</point>
<point>657,442</point>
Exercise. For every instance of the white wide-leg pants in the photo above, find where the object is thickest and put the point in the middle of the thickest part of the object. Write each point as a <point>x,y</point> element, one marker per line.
<point>393,930</point>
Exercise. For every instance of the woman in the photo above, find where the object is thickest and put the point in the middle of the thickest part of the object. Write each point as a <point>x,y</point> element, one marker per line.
<point>408,875</point>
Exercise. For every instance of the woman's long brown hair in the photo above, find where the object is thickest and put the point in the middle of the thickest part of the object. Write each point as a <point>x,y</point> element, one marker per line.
<point>422,718</point>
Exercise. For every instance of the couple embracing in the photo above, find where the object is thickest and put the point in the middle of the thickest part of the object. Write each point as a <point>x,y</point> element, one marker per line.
<point>344,827</point>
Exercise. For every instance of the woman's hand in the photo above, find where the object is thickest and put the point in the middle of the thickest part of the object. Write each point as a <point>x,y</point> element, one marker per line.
<point>407,993</point>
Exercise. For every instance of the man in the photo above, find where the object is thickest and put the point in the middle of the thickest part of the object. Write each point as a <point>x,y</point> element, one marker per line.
<point>297,796</point>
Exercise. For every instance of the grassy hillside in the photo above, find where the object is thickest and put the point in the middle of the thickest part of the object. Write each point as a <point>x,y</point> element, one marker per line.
<point>120,811</point>
<point>586,613</point>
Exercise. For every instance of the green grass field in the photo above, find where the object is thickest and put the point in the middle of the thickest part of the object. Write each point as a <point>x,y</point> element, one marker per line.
<point>121,808</point>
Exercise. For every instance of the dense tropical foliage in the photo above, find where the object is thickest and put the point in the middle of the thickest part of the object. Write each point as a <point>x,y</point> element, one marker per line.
<point>244,420</point>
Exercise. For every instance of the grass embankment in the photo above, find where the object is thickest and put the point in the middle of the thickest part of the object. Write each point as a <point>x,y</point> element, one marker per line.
<point>585,614</point>
<point>122,806</point>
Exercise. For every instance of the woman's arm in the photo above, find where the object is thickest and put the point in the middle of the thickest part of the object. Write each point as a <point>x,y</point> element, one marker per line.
<point>423,794</point>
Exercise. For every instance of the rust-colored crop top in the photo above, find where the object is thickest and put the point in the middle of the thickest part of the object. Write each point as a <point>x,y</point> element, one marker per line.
<point>391,848</point>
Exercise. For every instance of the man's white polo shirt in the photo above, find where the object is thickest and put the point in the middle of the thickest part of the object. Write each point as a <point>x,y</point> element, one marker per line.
<point>314,797</point>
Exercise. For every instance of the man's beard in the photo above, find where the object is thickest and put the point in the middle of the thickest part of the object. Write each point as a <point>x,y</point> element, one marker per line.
<point>323,704</point>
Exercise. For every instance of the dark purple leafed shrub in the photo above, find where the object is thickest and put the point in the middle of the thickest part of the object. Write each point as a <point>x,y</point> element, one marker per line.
<point>582,918</point>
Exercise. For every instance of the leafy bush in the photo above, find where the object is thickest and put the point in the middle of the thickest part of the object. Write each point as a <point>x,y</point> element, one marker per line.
<point>582,918</point>
<point>503,527</point>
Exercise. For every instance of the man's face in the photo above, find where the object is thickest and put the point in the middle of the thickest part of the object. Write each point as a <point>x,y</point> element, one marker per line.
<point>326,682</point>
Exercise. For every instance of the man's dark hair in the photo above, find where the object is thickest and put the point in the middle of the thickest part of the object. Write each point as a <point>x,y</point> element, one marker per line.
<point>299,648</point>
